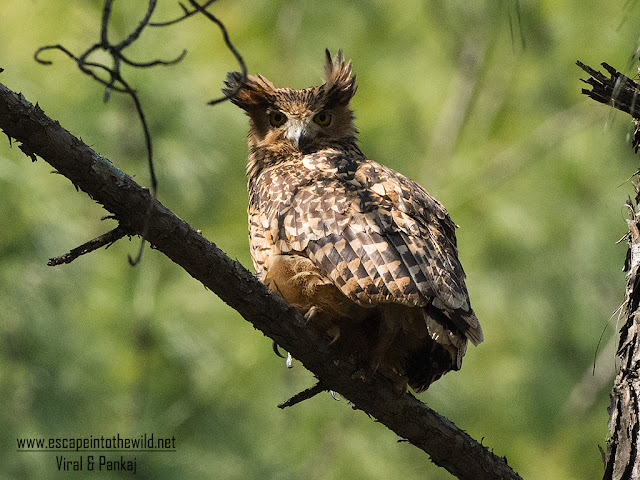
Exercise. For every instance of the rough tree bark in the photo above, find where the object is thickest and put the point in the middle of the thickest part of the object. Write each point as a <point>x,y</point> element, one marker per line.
<point>447,445</point>
<point>622,459</point>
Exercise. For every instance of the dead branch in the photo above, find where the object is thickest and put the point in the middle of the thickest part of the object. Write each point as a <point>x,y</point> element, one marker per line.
<point>623,446</point>
<point>622,458</point>
<point>447,445</point>
<point>617,91</point>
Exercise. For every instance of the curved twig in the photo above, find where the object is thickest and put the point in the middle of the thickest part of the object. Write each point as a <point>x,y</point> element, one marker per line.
<point>133,36</point>
<point>116,82</point>
<point>227,41</point>
<point>187,14</point>
<point>153,63</point>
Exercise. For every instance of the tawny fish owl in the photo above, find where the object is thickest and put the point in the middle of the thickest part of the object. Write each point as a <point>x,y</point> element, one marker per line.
<point>366,254</point>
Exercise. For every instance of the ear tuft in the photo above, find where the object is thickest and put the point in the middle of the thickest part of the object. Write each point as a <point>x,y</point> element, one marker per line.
<point>256,92</point>
<point>339,85</point>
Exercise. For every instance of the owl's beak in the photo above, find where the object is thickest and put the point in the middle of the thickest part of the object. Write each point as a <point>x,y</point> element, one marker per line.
<point>298,134</point>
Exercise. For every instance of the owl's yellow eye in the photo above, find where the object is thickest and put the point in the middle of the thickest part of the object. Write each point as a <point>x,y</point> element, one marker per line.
<point>277,118</point>
<point>323,119</point>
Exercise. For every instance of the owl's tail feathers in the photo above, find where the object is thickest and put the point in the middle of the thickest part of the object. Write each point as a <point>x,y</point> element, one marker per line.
<point>469,325</point>
<point>450,330</point>
<point>459,320</point>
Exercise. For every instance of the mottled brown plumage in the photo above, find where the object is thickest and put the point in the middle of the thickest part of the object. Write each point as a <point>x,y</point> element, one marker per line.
<point>366,254</point>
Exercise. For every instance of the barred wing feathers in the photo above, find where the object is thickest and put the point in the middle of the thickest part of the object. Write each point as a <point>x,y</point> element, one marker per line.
<point>379,237</point>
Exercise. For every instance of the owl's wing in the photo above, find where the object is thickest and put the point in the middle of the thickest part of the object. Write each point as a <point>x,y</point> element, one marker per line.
<point>380,238</point>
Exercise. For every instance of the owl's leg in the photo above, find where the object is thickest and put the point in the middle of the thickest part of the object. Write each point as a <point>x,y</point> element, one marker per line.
<point>387,355</point>
<point>386,338</point>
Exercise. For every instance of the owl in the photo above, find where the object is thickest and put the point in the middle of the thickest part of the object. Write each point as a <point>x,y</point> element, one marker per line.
<point>364,253</point>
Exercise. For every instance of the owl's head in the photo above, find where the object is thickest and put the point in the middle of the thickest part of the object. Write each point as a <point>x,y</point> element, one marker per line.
<point>298,120</point>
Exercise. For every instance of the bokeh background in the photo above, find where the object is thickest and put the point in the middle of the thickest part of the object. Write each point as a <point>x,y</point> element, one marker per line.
<point>478,101</point>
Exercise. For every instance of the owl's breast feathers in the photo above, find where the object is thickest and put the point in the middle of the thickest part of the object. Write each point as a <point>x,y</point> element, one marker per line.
<point>379,237</point>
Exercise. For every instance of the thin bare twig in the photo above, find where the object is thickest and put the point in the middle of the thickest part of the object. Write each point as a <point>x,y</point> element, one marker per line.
<point>107,239</point>
<point>304,395</point>
<point>227,41</point>
<point>187,14</point>
<point>114,80</point>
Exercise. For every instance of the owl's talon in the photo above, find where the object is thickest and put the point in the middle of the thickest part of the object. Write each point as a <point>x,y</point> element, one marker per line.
<point>334,333</point>
<point>289,361</point>
<point>311,313</point>
<point>276,349</point>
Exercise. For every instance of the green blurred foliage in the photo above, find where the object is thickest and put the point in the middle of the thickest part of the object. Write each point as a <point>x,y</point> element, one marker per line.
<point>479,101</point>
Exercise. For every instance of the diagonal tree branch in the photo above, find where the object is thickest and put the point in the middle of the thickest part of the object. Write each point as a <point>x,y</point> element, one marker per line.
<point>447,445</point>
